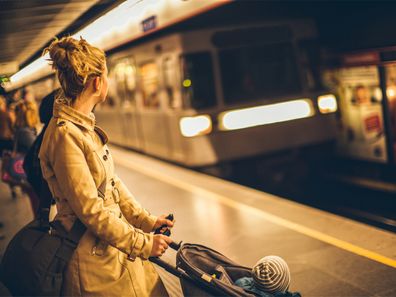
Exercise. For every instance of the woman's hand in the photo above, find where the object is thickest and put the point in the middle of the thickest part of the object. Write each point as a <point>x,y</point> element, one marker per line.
<point>161,220</point>
<point>160,244</point>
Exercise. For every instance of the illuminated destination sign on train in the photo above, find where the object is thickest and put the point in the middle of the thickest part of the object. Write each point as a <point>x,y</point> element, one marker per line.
<point>149,23</point>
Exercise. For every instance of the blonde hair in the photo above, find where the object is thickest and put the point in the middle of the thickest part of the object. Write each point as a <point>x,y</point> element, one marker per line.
<point>75,62</point>
<point>3,103</point>
<point>26,115</point>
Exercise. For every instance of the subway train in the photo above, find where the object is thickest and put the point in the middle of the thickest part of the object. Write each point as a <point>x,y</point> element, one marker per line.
<point>202,97</point>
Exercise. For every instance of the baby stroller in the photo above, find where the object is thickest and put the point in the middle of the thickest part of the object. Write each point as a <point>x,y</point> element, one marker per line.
<point>205,272</point>
<point>198,268</point>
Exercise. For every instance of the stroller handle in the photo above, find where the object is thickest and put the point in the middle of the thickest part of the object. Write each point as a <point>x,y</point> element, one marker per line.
<point>176,246</point>
<point>168,267</point>
<point>164,230</point>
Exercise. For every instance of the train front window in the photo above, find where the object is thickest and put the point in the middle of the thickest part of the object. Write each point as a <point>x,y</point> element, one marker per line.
<point>258,72</point>
<point>198,81</point>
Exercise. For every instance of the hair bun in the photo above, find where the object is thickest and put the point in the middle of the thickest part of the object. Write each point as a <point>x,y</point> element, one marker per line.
<point>68,43</point>
<point>58,51</point>
<point>75,61</point>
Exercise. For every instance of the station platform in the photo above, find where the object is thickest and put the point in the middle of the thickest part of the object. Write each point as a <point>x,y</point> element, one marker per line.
<point>328,255</point>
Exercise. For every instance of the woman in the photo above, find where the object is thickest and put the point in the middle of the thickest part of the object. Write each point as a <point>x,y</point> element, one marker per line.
<point>25,124</point>
<point>111,258</point>
<point>31,163</point>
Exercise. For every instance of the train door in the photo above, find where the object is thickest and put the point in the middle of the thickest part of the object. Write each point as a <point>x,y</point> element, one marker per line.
<point>126,81</point>
<point>172,104</point>
<point>106,112</point>
<point>152,113</point>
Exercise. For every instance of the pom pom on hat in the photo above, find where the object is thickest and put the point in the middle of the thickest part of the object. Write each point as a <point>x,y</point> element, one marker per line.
<point>271,274</point>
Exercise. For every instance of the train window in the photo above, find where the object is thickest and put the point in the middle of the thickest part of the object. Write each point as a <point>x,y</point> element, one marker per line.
<point>311,64</point>
<point>198,81</point>
<point>150,84</point>
<point>258,72</point>
<point>112,95</point>
<point>116,90</point>
<point>122,84</point>
<point>130,78</point>
<point>119,76</point>
<point>125,76</point>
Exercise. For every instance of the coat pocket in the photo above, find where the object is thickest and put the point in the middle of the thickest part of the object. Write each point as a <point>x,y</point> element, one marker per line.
<point>99,248</point>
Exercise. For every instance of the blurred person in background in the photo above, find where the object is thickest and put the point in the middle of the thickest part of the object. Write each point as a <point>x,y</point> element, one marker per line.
<point>25,128</point>
<point>6,130</point>
<point>26,122</point>
<point>4,115</point>
<point>14,98</point>
<point>31,164</point>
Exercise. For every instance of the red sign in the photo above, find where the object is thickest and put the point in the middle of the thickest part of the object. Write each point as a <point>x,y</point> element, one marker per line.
<point>372,123</point>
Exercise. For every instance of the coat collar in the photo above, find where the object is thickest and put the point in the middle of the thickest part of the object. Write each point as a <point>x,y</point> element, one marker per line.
<point>65,111</point>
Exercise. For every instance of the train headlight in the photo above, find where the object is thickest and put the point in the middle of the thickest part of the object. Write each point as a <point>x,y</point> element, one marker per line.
<point>193,126</point>
<point>327,103</point>
<point>266,114</point>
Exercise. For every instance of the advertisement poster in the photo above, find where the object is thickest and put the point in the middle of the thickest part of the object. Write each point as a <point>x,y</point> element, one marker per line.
<point>361,133</point>
<point>391,95</point>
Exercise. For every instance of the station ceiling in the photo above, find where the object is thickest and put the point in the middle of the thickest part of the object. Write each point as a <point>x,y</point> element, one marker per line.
<point>26,26</point>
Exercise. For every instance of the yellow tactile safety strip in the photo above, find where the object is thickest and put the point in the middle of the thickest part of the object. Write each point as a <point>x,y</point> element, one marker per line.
<point>272,218</point>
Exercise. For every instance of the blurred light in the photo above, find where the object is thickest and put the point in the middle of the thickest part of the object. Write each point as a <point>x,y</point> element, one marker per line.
<point>327,103</point>
<point>129,70</point>
<point>187,83</point>
<point>266,114</point>
<point>377,94</point>
<point>193,126</point>
<point>391,92</point>
<point>31,69</point>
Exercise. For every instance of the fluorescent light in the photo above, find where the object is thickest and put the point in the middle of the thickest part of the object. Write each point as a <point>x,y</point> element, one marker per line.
<point>110,24</point>
<point>193,126</point>
<point>124,22</point>
<point>31,69</point>
<point>266,114</point>
<point>327,103</point>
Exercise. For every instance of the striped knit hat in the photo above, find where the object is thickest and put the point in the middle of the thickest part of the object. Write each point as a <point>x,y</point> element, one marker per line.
<point>271,274</point>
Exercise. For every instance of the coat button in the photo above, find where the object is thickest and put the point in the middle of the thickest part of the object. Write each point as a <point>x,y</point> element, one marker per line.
<point>105,157</point>
<point>107,152</point>
<point>113,183</point>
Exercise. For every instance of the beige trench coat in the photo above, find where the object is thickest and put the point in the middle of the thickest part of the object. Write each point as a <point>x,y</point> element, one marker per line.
<point>110,259</point>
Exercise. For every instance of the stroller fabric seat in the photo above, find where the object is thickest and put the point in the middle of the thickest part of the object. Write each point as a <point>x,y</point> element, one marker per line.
<point>213,274</point>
